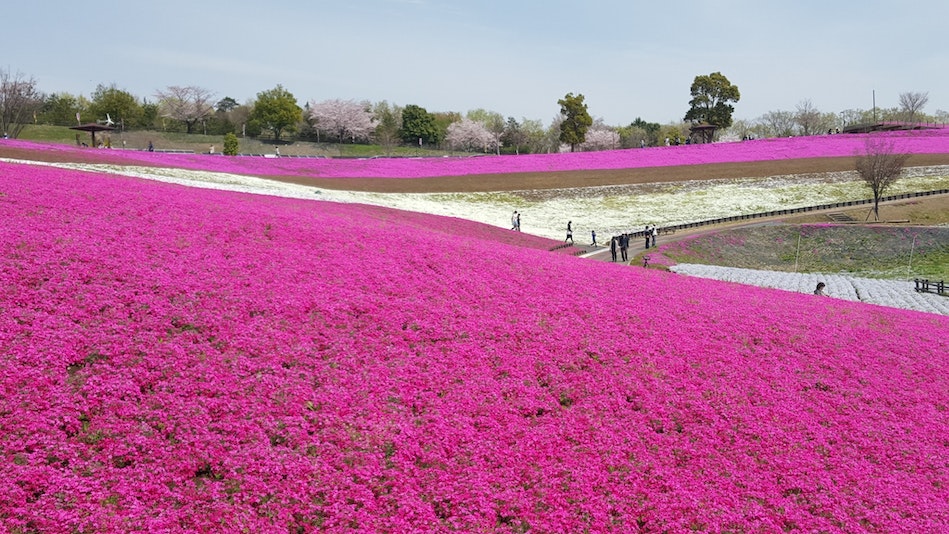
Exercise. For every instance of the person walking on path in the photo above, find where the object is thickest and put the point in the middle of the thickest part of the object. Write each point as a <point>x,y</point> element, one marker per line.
<point>648,235</point>
<point>514,220</point>
<point>569,232</point>
<point>655,234</point>
<point>613,248</point>
<point>623,245</point>
<point>593,233</point>
<point>518,223</point>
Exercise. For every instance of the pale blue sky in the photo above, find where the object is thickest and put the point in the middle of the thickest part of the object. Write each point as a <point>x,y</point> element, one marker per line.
<point>628,58</point>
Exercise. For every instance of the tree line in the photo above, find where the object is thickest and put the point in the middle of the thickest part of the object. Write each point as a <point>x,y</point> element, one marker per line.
<point>275,115</point>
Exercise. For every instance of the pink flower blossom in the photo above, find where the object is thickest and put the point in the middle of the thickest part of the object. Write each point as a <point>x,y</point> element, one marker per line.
<point>184,360</point>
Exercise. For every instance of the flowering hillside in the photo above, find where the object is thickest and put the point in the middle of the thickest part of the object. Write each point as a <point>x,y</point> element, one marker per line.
<point>822,146</point>
<point>178,359</point>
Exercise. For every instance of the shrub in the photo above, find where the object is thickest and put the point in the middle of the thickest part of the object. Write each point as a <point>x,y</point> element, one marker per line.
<point>231,145</point>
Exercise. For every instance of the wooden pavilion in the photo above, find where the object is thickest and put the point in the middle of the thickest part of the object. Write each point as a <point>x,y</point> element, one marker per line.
<point>92,128</point>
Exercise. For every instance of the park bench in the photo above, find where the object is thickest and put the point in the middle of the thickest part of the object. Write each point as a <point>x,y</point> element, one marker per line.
<point>930,286</point>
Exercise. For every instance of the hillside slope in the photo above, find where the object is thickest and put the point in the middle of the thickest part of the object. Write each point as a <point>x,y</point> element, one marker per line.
<point>179,359</point>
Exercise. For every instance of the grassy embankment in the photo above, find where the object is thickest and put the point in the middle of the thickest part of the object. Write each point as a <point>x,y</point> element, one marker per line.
<point>918,248</point>
<point>138,139</point>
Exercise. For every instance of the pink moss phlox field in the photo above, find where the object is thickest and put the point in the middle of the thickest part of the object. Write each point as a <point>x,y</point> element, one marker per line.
<point>186,360</point>
<point>820,146</point>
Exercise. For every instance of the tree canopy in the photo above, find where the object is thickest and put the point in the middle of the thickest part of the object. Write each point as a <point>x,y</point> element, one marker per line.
<point>188,104</point>
<point>276,110</point>
<point>343,118</point>
<point>388,120</point>
<point>417,123</point>
<point>60,109</point>
<point>468,134</point>
<point>711,95</point>
<point>118,104</point>
<point>576,120</point>
<point>226,104</point>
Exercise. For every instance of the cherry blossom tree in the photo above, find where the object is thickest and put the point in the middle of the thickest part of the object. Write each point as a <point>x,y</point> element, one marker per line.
<point>493,122</point>
<point>188,104</point>
<point>600,137</point>
<point>468,134</point>
<point>343,118</point>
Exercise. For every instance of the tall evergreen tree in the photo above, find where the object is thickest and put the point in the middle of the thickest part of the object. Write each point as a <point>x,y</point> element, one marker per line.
<point>711,95</point>
<point>576,120</point>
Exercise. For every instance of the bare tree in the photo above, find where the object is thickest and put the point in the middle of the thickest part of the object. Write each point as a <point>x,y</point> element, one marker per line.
<point>850,117</point>
<point>779,123</point>
<point>912,103</point>
<point>942,116</point>
<point>806,117</point>
<point>19,100</point>
<point>880,166</point>
<point>186,104</point>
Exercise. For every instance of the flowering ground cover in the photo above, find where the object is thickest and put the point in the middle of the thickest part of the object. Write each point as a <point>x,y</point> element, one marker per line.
<point>179,359</point>
<point>935,141</point>
<point>607,210</point>
<point>894,293</point>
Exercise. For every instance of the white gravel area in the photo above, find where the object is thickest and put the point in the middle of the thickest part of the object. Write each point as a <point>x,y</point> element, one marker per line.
<point>892,293</point>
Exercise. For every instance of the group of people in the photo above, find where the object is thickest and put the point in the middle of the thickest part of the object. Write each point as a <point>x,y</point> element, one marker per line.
<point>621,242</point>
<point>650,234</point>
<point>516,221</point>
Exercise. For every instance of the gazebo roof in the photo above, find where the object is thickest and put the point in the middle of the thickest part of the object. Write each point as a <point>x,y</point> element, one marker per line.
<point>92,127</point>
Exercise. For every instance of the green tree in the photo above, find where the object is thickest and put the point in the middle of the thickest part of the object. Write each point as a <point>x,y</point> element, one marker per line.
<point>120,105</point>
<point>417,123</point>
<point>60,109</point>
<point>149,114</point>
<point>276,110</point>
<point>444,119</point>
<point>231,145</point>
<point>711,95</point>
<point>534,135</point>
<point>576,120</point>
<point>388,123</point>
<point>514,135</point>
<point>650,128</point>
<point>225,104</point>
